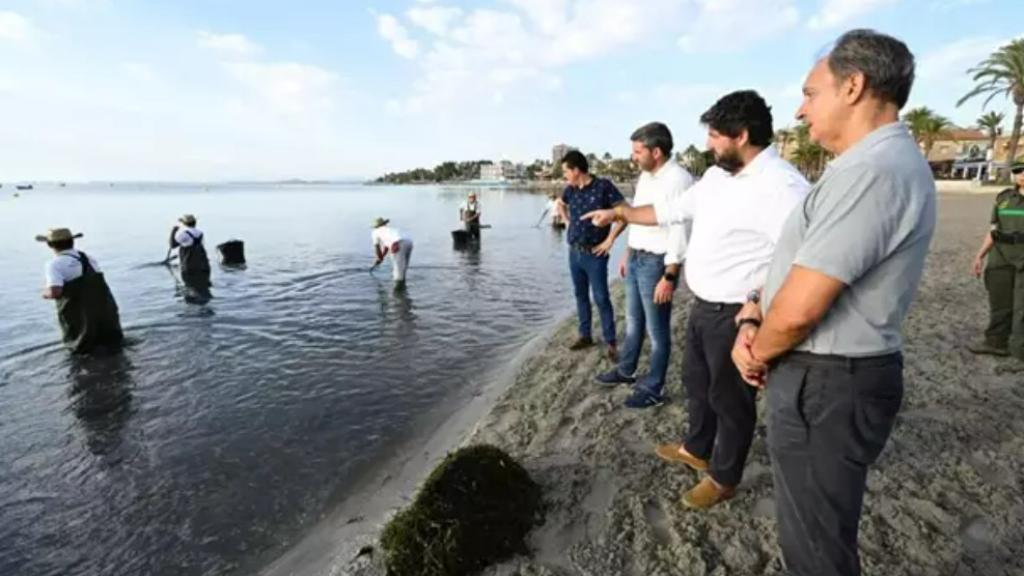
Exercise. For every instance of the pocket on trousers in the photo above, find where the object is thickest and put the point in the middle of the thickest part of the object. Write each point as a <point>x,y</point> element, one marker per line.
<point>787,426</point>
<point>877,395</point>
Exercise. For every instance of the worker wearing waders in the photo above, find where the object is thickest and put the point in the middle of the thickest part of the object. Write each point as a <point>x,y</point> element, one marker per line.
<point>192,258</point>
<point>469,213</point>
<point>1004,272</point>
<point>86,309</point>
<point>389,240</point>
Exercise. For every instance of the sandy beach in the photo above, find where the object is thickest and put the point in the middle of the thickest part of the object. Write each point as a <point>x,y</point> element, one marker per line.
<point>945,498</point>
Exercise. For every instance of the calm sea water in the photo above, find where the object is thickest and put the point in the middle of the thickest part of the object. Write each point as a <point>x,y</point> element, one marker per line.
<point>225,430</point>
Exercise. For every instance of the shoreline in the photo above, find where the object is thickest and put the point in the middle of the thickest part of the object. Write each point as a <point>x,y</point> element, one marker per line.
<point>332,546</point>
<point>946,496</point>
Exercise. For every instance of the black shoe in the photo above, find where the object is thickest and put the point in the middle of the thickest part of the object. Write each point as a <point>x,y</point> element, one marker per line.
<point>581,343</point>
<point>614,378</point>
<point>641,399</point>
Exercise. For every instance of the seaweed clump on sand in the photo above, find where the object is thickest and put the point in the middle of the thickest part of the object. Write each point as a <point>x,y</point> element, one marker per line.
<point>474,509</point>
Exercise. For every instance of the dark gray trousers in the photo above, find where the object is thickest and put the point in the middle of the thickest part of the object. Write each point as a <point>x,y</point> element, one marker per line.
<point>828,419</point>
<point>721,406</point>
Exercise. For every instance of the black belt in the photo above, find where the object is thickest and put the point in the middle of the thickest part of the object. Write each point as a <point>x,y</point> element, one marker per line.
<point>582,247</point>
<point>717,306</point>
<point>639,252</point>
<point>1008,237</point>
<point>848,362</point>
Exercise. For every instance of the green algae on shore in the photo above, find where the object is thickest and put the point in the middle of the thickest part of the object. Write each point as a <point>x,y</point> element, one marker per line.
<point>474,509</point>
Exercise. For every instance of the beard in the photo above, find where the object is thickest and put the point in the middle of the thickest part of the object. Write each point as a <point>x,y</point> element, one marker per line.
<point>730,161</point>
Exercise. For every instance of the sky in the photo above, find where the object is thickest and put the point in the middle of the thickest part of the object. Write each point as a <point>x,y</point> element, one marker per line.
<point>214,90</point>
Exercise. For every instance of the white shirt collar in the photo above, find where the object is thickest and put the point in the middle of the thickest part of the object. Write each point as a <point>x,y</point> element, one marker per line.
<point>660,171</point>
<point>757,165</point>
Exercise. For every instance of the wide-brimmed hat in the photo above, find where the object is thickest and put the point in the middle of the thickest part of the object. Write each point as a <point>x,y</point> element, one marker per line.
<point>188,220</point>
<point>380,222</point>
<point>57,235</point>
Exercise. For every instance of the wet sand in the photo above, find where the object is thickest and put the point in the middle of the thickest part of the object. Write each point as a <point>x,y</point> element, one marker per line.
<point>946,497</point>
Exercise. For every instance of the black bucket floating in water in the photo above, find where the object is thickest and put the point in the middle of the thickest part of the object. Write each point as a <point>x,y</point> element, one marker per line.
<point>232,253</point>
<point>462,239</point>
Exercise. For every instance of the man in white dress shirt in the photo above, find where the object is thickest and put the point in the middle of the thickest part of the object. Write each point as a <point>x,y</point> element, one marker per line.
<point>650,268</point>
<point>738,210</point>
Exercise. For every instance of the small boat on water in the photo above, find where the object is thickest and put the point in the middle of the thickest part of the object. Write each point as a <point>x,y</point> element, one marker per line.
<point>24,187</point>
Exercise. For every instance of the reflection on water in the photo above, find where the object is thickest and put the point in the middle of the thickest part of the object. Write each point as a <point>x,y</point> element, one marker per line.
<point>101,398</point>
<point>215,440</point>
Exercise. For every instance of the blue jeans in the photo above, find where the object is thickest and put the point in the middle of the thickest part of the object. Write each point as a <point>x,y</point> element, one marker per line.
<point>590,273</point>
<point>643,271</point>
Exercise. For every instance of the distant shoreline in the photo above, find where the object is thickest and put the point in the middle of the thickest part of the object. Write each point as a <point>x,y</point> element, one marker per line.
<point>527,186</point>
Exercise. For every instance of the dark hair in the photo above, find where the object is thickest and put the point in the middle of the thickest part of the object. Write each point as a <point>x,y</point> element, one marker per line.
<point>575,160</point>
<point>654,135</point>
<point>739,111</point>
<point>887,64</point>
<point>62,244</point>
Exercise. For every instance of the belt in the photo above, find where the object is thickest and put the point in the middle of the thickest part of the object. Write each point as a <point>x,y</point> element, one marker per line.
<point>851,363</point>
<point>645,253</point>
<point>582,247</point>
<point>1008,237</point>
<point>716,306</point>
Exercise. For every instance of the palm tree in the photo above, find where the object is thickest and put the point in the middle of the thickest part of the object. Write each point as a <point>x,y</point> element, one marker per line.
<point>917,119</point>
<point>934,128</point>
<point>782,137</point>
<point>992,124</point>
<point>1002,73</point>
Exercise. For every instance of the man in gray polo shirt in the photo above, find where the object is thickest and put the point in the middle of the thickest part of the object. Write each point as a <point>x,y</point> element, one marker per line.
<point>842,279</point>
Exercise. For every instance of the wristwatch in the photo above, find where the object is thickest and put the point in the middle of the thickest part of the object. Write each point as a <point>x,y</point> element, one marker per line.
<point>754,297</point>
<point>671,277</point>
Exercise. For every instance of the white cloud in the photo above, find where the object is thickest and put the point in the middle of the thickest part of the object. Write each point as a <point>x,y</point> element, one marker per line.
<point>140,71</point>
<point>953,59</point>
<point>518,48</point>
<point>835,13</point>
<point>734,25</point>
<point>435,19</point>
<point>16,28</point>
<point>392,30</point>
<point>228,44</point>
<point>288,88</point>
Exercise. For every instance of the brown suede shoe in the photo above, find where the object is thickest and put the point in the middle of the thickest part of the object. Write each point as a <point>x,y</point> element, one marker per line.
<point>581,343</point>
<point>706,494</point>
<point>671,453</point>
<point>984,348</point>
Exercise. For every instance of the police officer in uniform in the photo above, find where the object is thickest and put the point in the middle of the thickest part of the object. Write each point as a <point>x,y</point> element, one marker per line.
<point>469,212</point>
<point>1004,273</point>
<point>86,310</point>
<point>195,265</point>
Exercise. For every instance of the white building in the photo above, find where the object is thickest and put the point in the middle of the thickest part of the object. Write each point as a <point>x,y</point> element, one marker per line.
<point>491,173</point>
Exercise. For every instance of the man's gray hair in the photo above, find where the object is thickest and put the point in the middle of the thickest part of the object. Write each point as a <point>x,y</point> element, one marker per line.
<point>654,135</point>
<point>887,64</point>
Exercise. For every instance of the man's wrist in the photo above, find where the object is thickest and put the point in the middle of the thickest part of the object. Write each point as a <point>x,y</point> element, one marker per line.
<point>755,322</point>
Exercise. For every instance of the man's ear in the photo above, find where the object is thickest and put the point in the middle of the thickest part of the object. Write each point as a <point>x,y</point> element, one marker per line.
<point>853,88</point>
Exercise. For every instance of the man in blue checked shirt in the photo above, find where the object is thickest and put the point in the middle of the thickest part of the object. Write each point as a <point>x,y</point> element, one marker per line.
<point>589,246</point>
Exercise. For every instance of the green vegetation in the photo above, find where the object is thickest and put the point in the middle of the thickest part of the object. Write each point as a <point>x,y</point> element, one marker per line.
<point>1002,74</point>
<point>444,172</point>
<point>475,509</point>
<point>927,127</point>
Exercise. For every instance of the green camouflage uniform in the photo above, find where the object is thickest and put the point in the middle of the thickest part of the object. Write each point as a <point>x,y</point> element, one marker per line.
<point>1004,274</point>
